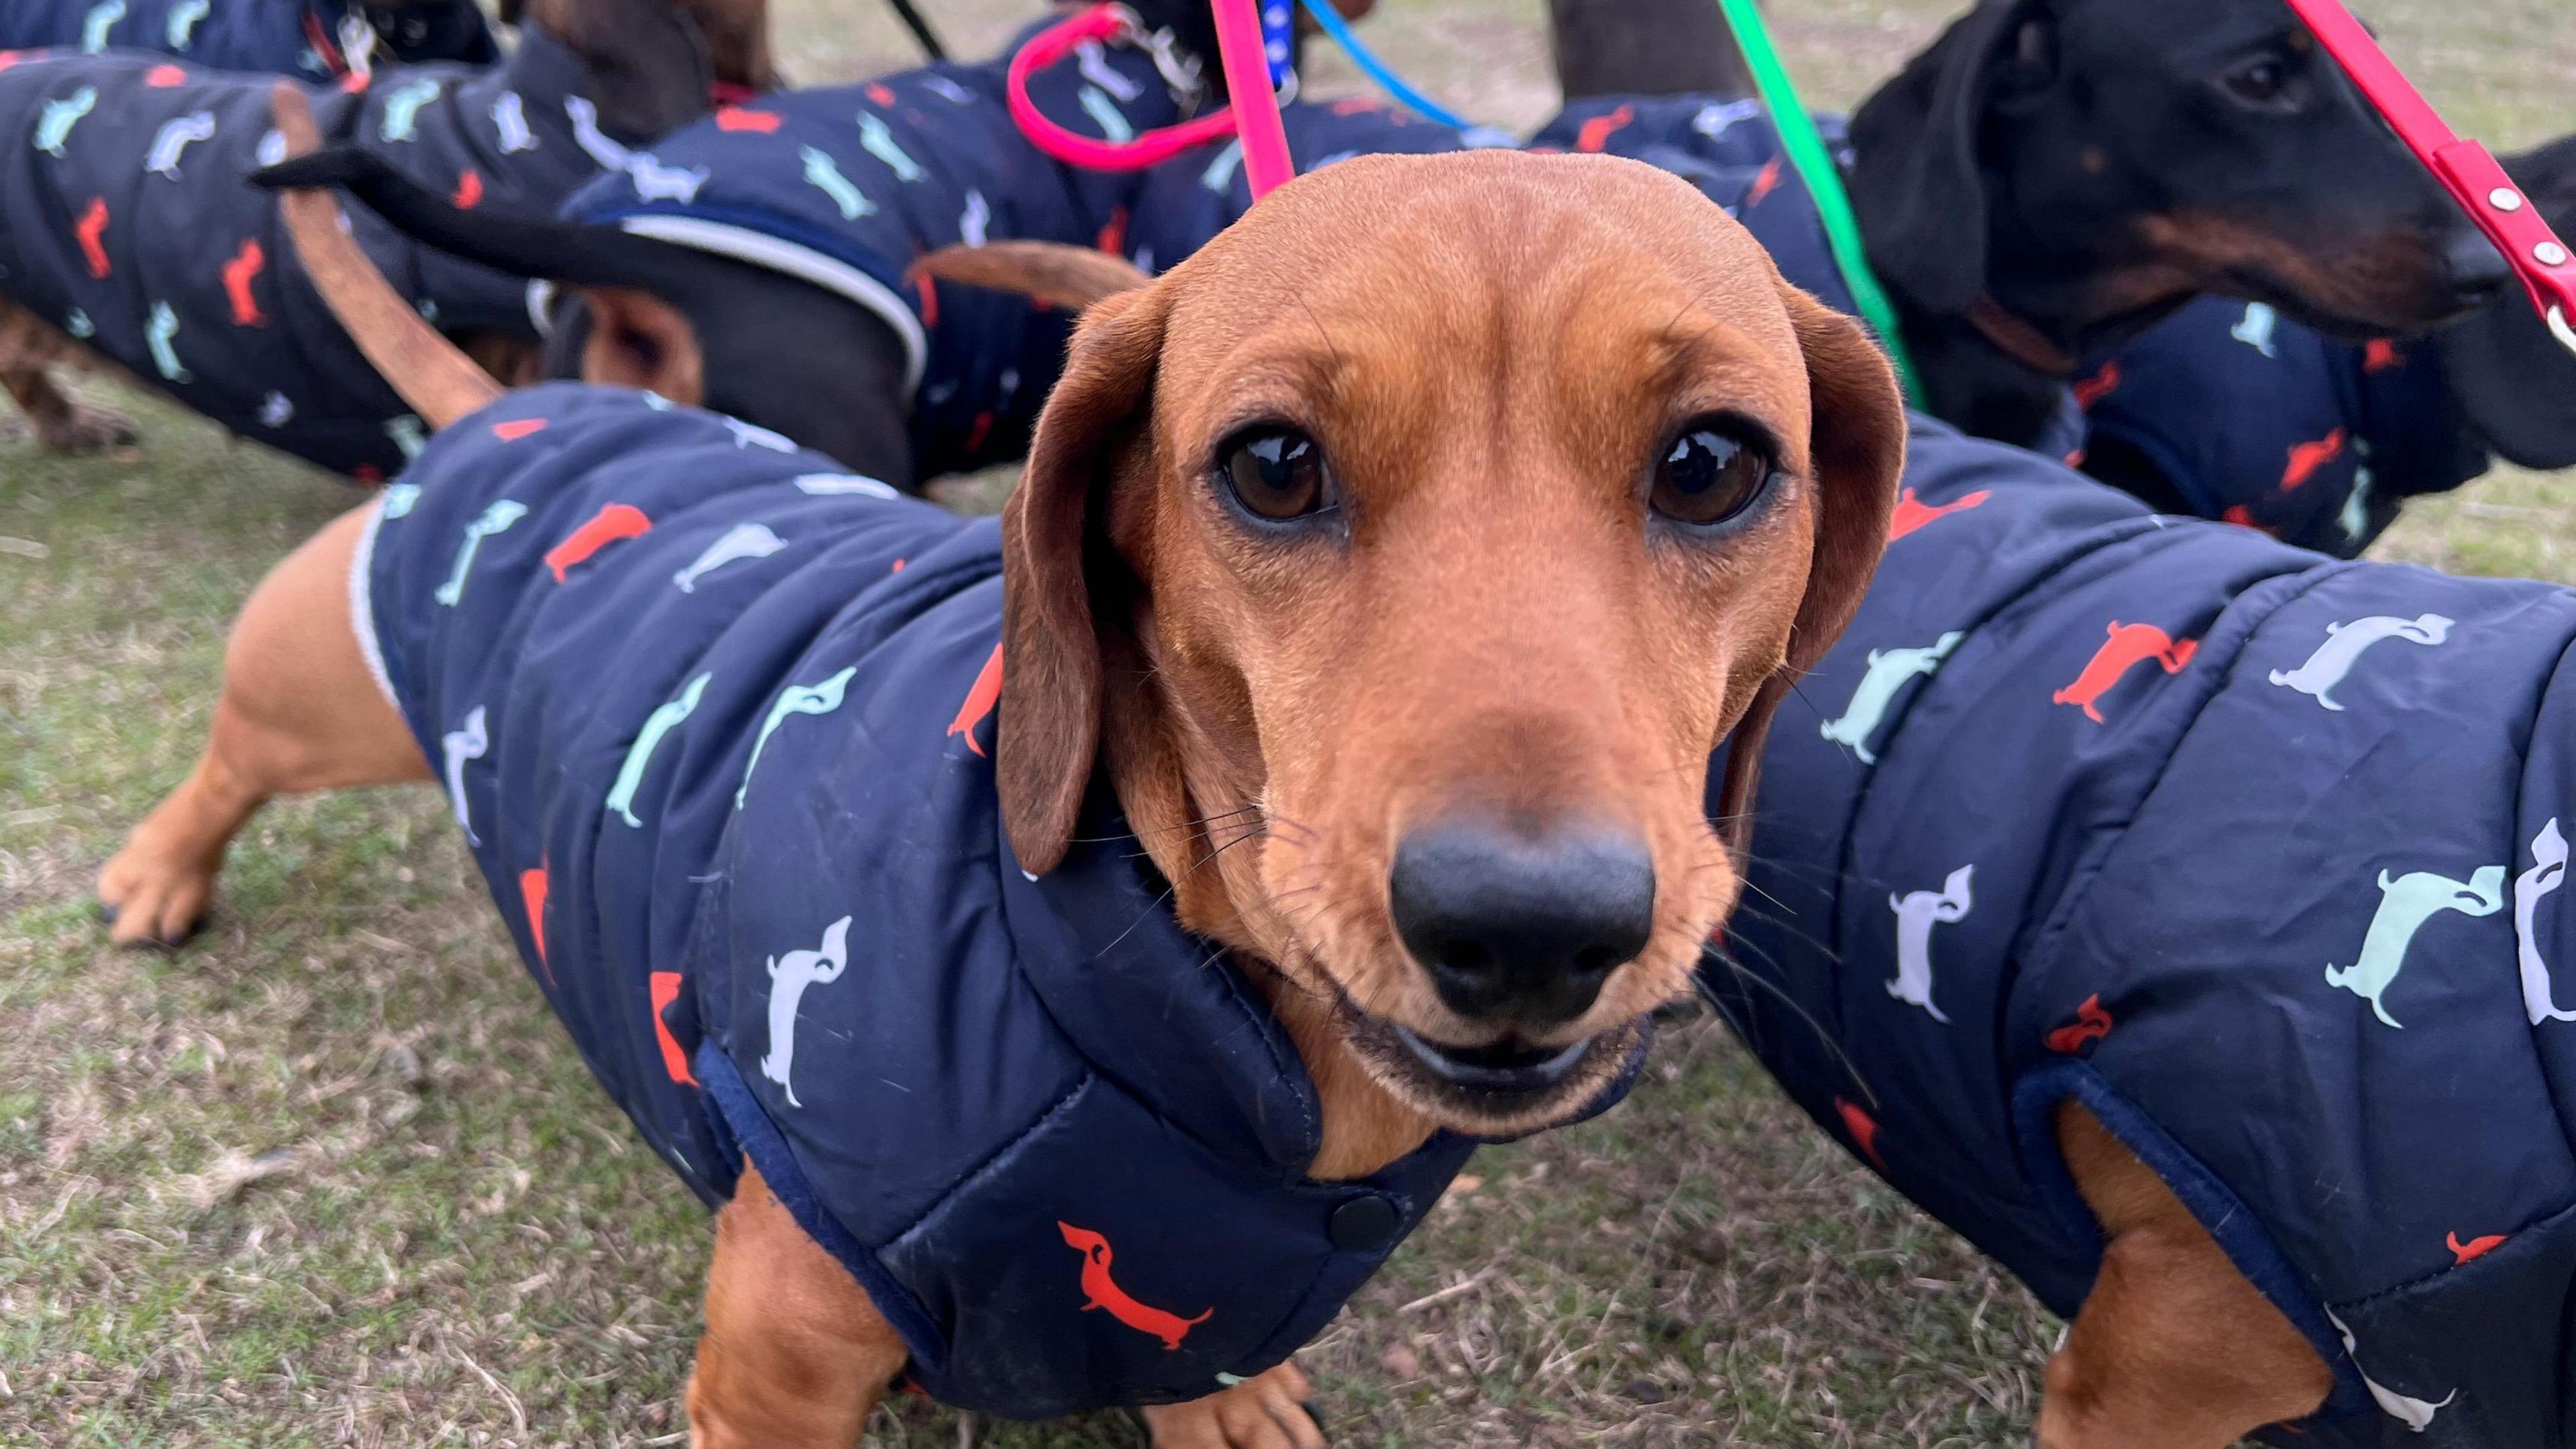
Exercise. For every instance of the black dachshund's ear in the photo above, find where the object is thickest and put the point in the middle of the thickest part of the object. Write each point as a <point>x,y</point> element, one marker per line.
<point>2548,174</point>
<point>1918,179</point>
<point>2514,380</point>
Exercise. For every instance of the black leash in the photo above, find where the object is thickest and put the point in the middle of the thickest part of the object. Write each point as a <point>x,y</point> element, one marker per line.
<point>920,29</point>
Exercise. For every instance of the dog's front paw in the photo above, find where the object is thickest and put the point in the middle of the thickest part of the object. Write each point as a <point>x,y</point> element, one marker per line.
<point>1267,1411</point>
<point>153,896</point>
<point>84,427</point>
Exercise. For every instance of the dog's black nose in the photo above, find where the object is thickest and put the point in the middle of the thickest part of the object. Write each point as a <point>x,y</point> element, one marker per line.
<point>2476,270</point>
<point>1521,929</point>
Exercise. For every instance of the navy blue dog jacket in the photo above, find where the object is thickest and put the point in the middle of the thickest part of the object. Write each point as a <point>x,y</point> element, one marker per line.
<point>716,719</point>
<point>2259,421</point>
<point>845,186</point>
<point>278,37</point>
<point>2251,852</point>
<point>129,226</point>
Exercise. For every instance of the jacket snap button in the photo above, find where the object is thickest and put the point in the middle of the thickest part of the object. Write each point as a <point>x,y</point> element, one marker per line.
<point>1363,1224</point>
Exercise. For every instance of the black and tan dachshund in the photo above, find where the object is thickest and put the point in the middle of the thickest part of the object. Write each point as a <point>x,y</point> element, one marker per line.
<point>2054,176</point>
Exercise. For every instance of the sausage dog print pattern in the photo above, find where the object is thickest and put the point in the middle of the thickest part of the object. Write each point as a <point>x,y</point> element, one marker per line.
<point>2255,854</point>
<point>2256,420</point>
<point>846,186</point>
<point>128,225</point>
<point>746,835</point>
<point>277,37</point>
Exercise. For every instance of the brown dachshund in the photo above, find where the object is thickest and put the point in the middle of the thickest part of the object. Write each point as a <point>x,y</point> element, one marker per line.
<point>1585,486</point>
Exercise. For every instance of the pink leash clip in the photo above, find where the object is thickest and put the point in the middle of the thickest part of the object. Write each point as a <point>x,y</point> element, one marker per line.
<point>2466,169</point>
<point>1253,112</point>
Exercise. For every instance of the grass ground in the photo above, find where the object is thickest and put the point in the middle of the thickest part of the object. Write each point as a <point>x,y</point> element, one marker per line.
<point>332,1176</point>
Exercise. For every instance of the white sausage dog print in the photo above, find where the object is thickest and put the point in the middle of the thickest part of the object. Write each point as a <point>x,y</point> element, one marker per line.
<point>468,741</point>
<point>2415,1414</point>
<point>2548,872</point>
<point>2344,646</point>
<point>1916,915</point>
<point>742,541</point>
<point>789,976</point>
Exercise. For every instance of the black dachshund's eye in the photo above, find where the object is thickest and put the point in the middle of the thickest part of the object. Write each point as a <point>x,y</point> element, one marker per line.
<point>2265,83</point>
<point>1276,472</point>
<point>1711,473</point>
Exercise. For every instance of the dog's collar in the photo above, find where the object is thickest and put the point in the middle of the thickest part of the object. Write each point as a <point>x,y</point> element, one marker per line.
<point>2019,340</point>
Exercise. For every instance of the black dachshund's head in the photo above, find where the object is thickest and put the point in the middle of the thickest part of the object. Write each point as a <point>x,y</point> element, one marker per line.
<point>413,31</point>
<point>2092,163</point>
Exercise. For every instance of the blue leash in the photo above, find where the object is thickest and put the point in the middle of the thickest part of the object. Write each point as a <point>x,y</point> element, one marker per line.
<point>1331,22</point>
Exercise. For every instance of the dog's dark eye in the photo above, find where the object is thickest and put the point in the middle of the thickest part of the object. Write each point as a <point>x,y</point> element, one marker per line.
<point>2266,83</point>
<point>1276,473</point>
<point>1710,474</point>
<point>2261,81</point>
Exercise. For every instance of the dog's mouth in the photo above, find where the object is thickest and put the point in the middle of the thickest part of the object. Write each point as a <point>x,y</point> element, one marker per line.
<point>1507,1086</point>
<point>1505,1069</point>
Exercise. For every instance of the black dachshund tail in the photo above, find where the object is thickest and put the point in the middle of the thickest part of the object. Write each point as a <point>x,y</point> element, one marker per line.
<point>585,255</point>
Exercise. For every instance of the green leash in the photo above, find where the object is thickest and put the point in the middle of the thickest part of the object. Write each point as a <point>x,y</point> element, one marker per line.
<point>1806,148</point>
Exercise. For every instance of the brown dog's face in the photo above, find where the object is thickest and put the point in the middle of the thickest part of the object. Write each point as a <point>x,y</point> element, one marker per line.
<point>1433,526</point>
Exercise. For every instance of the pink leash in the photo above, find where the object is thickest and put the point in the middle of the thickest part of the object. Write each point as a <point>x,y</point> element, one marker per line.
<point>2466,169</point>
<point>1253,112</point>
<point>1266,165</point>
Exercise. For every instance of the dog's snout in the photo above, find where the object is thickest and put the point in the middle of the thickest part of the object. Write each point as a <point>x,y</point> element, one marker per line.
<point>2472,266</point>
<point>1522,929</point>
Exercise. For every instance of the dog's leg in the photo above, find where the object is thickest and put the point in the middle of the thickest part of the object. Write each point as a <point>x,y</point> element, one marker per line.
<point>61,421</point>
<point>298,712</point>
<point>794,1356</point>
<point>1266,1411</point>
<point>2174,1349</point>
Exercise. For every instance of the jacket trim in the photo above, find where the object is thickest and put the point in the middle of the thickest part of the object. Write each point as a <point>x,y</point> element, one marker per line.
<point>746,244</point>
<point>739,1114</point>
<point>2035,1099</point>
<point>362,604</point>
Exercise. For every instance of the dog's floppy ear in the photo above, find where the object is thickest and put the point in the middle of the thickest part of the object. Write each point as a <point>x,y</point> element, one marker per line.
<point>1047,733</point>
<point>1856,447</point>
<point>1918,183</point>
<point>2511,377</point>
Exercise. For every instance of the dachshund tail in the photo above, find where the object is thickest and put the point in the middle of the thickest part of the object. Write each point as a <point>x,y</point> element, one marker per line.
<point>581,256</point>
<point>439,382</point>
<point>1050,272</point>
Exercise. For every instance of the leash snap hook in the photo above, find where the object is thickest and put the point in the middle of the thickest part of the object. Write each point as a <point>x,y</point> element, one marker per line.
<point>2558,325</point>
<point>1184,75</point>
<point>358,45</point>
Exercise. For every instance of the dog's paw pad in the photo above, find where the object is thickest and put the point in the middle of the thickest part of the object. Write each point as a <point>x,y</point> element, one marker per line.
<point>163,941</point>
<point>90,429</point>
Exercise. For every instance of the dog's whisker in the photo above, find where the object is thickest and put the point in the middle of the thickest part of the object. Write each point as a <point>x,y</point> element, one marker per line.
<point>1174,829</point>
<point>1789,924</point>
<point>1173,888</point>
<point>1741,972</point>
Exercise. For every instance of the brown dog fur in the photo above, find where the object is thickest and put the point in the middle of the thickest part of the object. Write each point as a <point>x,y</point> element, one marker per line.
<point>2173,1349</point>
<point>1493,372</point>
